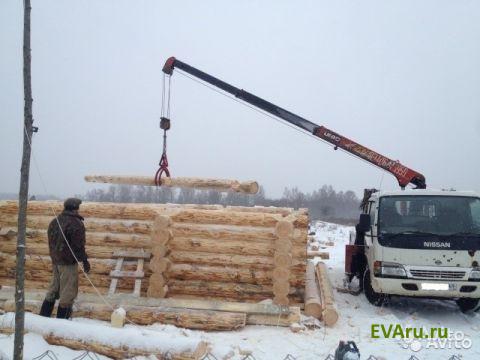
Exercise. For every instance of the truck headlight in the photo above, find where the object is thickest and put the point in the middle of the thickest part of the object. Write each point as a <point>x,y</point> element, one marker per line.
<point>474,275</point>
<point>389,270</point>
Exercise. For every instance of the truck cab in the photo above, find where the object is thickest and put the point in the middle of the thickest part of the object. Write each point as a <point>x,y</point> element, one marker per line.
<point>420,243</point>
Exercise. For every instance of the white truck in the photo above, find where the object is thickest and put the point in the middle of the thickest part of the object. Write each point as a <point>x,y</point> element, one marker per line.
<point>420,243</point>
<point>409,242</point>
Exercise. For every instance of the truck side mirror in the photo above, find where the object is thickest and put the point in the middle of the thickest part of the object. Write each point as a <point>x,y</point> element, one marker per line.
<point>365,223</point>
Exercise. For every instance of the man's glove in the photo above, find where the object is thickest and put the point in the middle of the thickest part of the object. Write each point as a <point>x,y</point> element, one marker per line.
<point>86,266</point>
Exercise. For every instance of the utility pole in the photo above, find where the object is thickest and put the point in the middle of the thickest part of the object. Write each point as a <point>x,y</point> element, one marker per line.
<point>23,195</point>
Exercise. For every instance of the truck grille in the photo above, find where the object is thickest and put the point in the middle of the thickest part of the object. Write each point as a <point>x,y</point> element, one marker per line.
<point>437,274</point>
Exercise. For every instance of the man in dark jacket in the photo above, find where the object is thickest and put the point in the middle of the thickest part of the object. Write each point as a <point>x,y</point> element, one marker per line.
<point>66,241</point>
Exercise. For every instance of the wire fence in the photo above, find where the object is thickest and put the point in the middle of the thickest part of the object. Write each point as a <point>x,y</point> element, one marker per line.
<point>88,355</point>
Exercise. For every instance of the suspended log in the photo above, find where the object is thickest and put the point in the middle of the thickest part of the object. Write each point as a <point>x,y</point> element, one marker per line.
<point>329,310</point>
<point>88,337</point>
<point>247,187</point>
<point>313,305</point>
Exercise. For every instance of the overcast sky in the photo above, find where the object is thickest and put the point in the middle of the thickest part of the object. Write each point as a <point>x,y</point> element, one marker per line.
<point>401,77</point>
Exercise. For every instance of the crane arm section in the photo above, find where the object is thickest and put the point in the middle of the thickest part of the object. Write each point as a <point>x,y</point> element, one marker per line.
<point>403,174</point>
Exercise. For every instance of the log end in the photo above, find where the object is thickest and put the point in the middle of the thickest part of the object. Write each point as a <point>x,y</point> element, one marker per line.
<point>313,308</point>
<point>284,229</point>
<point>329,316</point>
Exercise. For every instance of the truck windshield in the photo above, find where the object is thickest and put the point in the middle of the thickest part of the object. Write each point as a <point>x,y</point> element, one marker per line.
<point>439,215</point>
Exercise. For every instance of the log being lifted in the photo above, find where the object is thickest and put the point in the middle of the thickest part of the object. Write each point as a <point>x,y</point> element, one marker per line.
<point>247,187</point>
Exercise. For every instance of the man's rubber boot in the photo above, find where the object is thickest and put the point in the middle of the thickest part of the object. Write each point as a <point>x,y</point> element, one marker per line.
<point>64,312</point>
<point>47,308</point>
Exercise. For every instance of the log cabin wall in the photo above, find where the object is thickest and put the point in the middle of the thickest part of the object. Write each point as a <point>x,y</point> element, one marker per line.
<point>198,251</point>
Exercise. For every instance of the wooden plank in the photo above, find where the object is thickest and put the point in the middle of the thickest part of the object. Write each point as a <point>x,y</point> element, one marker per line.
<point>127,274</point>
<point>113,284</point>
<point>138,282</point>
<point>132,254</point>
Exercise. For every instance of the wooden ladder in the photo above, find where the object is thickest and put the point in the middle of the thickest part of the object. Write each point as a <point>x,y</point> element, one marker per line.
<point>138,275</point>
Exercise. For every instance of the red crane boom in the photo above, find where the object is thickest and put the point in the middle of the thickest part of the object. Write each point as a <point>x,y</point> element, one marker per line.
<point>403,174</point>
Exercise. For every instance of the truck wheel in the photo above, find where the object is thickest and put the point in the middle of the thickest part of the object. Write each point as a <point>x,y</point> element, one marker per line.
<point>373,297</point>
<point>467,305</point>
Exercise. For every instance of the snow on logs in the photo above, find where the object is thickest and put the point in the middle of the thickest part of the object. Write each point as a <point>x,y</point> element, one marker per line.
<point>111,342</point>
<point>210,251</point>
<point>247,187</point>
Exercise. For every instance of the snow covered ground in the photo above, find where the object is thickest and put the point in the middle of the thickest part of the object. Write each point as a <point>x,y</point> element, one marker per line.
<point>356,319</point>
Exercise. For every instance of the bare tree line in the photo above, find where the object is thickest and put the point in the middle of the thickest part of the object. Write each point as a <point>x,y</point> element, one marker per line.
<point>324,203</point>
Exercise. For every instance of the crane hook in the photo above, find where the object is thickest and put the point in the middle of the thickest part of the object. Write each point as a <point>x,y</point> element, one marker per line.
<point>163,169</point>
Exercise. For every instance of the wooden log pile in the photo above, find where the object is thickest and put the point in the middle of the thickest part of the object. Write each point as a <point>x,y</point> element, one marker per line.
<point>198,251</point>
<point>319,300</point>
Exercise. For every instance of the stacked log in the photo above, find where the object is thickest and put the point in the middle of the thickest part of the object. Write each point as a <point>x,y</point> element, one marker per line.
<point>282,260</point>
<point>160,264</point>
<point>208,251</point>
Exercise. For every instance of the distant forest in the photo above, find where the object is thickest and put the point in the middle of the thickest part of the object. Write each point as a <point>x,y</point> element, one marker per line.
<point>323,204</point>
